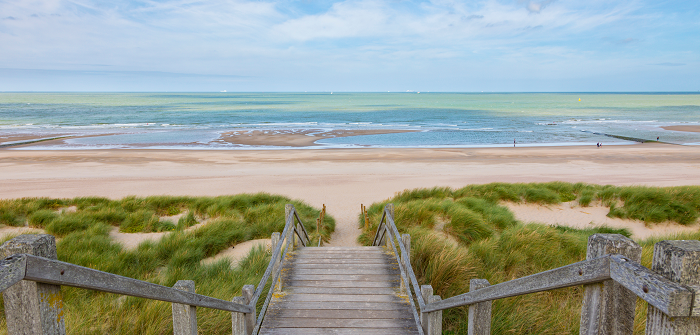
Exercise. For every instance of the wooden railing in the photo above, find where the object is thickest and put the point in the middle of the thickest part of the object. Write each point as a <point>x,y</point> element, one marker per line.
<point>611,275</point>
<point>294,234</point>
<point>388,234</point>
<point>31,280</point>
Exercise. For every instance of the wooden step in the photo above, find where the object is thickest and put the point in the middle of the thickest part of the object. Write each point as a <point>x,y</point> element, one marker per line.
<point>340,290</point>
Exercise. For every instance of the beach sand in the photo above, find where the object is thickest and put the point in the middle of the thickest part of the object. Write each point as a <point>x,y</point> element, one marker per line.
<point>692,129</point>
<point>340,178</point>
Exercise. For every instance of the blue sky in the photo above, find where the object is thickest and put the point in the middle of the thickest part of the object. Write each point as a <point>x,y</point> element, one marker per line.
<point>384,45</point>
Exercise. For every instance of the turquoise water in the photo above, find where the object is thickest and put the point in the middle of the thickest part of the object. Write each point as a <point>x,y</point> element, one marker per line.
<point>193,120</point>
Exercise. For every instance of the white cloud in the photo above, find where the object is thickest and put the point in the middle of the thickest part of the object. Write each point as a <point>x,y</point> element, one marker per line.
<point>274,39</point>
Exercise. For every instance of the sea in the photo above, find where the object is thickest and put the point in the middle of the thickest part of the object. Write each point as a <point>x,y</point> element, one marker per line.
<point>436,120</point>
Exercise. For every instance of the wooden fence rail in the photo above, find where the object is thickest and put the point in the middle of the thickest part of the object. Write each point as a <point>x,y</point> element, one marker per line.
<point>611,275</point>
<point>31,278</point>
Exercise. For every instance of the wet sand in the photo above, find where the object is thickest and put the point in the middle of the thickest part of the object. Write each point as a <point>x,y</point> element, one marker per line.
<point>339,178</point>
<point>294,137</point>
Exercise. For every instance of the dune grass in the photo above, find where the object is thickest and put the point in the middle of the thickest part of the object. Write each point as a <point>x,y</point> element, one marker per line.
<point>459,235</point>
<point>82,226</point>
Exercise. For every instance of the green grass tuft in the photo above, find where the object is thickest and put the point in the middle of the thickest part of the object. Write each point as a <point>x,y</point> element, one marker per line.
<point>482,239</point>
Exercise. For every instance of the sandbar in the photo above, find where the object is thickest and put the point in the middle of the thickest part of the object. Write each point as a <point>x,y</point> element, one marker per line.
<point>340,178</point>
<point>295,137</point>
<point>692,129</point>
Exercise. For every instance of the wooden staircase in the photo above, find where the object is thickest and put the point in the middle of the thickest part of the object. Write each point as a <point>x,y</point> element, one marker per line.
<point>340,290</point>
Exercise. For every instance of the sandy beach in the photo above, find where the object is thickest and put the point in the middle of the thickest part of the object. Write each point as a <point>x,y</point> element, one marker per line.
<point>340,178</point>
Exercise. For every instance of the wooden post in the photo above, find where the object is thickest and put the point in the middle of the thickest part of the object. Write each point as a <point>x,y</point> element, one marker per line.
<point>366,218</point>
<point>293,239</point>
<point>275,239</point>
<point>406,240</point>
<point>479,314</point>
<point>31,307</point>
<point>608,307</point>
<point>431,322</point>
<point>678,261</point>
<point>248,291</point>
<point>238,319</point>
<point>184,316</point>
<point>318,230</point>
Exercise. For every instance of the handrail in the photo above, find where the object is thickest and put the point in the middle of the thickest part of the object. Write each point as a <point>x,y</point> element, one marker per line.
<point>406,283</point>
<point>43,270</point>
<point>669,297</point>
<point>286,239</point>
<point>407,274</point>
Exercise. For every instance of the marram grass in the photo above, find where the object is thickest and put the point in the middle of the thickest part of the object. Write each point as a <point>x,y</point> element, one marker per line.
<point>82,227</point>
<point>463,234</point>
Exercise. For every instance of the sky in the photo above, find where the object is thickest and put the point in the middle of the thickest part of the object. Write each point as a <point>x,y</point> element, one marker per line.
<point>352,45</point>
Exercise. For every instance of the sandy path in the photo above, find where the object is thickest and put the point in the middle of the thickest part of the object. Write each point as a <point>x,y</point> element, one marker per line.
<point>341,179</point>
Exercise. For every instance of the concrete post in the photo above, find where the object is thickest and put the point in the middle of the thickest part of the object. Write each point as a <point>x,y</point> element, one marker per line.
<point>184,316</point>
<point>31,307</point>
<point>678,261</point>
<point>608,307</point>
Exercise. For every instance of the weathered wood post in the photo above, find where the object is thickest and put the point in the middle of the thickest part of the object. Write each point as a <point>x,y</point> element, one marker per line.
<point>184,316</point>
<point>31,307</point>
<point>275,240</point>
<point>238,319</point>
<point>608,307</point>
<point>678,261</point>
<point>387,231</point>
<point>406,240</point>
<point>479,314</point>
<point>432,321</point>
<point>248,291</point>
<point>288,213</point>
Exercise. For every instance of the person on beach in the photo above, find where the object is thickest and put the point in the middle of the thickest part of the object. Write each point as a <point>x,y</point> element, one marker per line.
<point>513,143</point>
<point>657,138</point>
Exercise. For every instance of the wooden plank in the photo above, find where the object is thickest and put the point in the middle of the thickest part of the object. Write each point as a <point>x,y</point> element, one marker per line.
<point>60,273</point>
<point>343,266</point>
<point>343,261</point>
<point>342,290</point>
<point>379,278</point>
<point>338,323</point>
<point>337,272</point>
<point>670,298</point>
<point>342,298</point>
<point>337,331</point>
<point>341,283</point>
<point>345,248</point>
<point>339,314</point>
<point>585,272</point>
<point>341,256</point>
<point>340,305</point>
